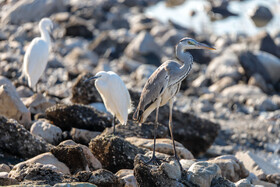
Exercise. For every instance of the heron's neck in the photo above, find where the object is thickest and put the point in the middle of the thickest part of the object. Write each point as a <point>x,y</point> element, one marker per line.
<point>187,60</point>
<point>45,35</point>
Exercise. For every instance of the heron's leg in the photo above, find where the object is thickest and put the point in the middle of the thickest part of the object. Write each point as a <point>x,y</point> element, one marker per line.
<point>154,159</point>
<point>113,124</point>
<point>171,133</point>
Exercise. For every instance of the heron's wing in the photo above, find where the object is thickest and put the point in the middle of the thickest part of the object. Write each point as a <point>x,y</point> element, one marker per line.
<point>35,59</point>
<point>154,87</point>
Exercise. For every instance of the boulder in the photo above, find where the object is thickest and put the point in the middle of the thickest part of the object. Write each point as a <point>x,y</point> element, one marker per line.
<point>242,90</point>
<point>114,152</point>
<point>243,183</point>
<point>73,156</point>
<point>257,80</point>
<point>32,10</point>
<point>231,168</point>
<point>78,116</point>
<point>6,181</point>
<point>202,173</point>
<point>163,145</point>
<point>143,72</point>
<point>77,28</point>
<point>256,165</point>
<point>4,168</point>
<point>37,103</point>
<point>83,136</point>
<point>220,85</point>
<point>261,15</point>
<point>47,159</point>
<point>12,106</point>
<point>15,139</point>
<point>127,176</point>
<point>24,91</point>
<point>51,133</point>
<point>103,177</point>
<point>221,182</point>
<point>84,93</point>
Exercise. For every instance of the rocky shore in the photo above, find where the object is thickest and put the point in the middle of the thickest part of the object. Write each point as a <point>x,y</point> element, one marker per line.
<point>226,116</point>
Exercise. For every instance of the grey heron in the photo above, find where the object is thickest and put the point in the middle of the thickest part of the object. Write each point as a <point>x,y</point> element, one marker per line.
<point>164,84</point>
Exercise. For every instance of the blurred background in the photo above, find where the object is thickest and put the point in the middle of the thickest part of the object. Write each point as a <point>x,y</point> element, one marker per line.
<point>237,86</point>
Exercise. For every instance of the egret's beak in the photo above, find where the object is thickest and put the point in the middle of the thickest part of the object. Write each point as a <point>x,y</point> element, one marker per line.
<point>204,46</point>
<point>94,77</point>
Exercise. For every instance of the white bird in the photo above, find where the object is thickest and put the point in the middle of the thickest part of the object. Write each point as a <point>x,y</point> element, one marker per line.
<point>37,53</point>
<point>114,95</point>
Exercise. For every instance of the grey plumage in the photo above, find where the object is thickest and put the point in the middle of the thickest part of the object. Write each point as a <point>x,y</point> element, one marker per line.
<point>164,84</point>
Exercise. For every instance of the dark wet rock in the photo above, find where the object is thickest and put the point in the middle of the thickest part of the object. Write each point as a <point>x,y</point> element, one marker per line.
<point>252,65</point>
<point>103,178</point>
<point>83,176</point>
<point>195,133</point>
<point>221,182</point>
<point>146,130</point>
<point>72,155</point>
<point>32,10</point>
<point>114,152</point>
<point>15,139</point>
<point>84,93</point>
<point>78,116</point>
<point>41,174</point>
<point>257,80</point>
<point>8,181</point>
<point>166,174</point>
<point>263,42</point>
<point>219,9</point>
<point>261,15</point>
<point>273,178</point>
<point>78,29</point>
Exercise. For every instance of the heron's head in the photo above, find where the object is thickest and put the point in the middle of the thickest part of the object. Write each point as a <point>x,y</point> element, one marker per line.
<point>46,23</point>
<point>100,75</point>
<point>189,43</point>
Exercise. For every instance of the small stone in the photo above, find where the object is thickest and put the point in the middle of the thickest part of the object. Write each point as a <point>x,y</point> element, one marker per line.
<point>220,85</point>
<point>243,183</point>
<point>12,106</point>
<point>75,184</point>
<point>273,178</point>
<point>37,103</point>
<point>242,90</point>
<point>51,133</point>
<point>114,152</point>
<point>24,91</point>
<point>4,168</point>
<point>83,136</point>
<point>172,169</point>
<point>201,173</point>
<point>6,181</point>
<point>103,177</point>
<point>261,15</point>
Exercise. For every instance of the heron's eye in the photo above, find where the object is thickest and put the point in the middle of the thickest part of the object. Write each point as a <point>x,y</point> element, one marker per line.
<point>190,43</point>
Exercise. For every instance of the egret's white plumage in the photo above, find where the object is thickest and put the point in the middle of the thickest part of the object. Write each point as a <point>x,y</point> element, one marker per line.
<point>37,53</point>
<point>114,94</point>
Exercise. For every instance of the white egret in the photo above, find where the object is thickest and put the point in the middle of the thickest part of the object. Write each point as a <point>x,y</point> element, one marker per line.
<point>114,95</point>
<point>37,53</point>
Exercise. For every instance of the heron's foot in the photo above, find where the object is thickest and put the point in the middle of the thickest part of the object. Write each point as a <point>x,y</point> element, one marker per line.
<point>153,160</point>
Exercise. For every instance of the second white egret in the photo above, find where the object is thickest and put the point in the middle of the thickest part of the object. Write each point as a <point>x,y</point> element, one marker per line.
<point>37,53</point>
<point>114,94</point>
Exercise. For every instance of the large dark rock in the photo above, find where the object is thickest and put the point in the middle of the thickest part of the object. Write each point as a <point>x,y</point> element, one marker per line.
<point>164,175</point>
<point>84,92</point>
<point>221,182</point>
<point>252,65</point>
<point>78,116</point>
<point>261,15</point>
<point>195,133</point>
<point>114,152</point>
<point>78,27</point>
<point>16,140</point>
<point>72,155</point>
<point>8,181</point>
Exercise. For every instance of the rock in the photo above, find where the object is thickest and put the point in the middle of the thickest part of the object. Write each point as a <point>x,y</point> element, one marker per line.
<point>32,10</point>
<point>15,139</point>
<point>83,136</point>
<point>75,184</point>
<point>6,181</point>
<point>171,37</point>
<point>257,80</point>
<point>219,10</point>
<point>271,64</point>
<point>221,182</point>
<point>143,72</point>
<point>144,49</point>
<point>75,56</point>
<point>243,183</point>
<point>225,65</point>
<point>84,93</point>
<point>263,183</point>
<point>220,85</point>
<point>201,81</point>
<point>12,106</point>
<point>114,152</point>
<point>37,103</point>
<point>273,178</point>
<point>202,173</point>
<point>151,175</point>
<point>92,162</point>
<point>24,91</point>
<point>195,133</point>
<point>103,177</point>
<point>162,145</point>
<point>44,159</point>
<point>186,164</point>
<point>242,90</point>
<point>4,168</point>
<point>51,133</point>
<point>78,116</point>
<point>75,29</point>
<point>261,15</point>
<point>266,104</point>
<point>127,176</point>
<point>256,164</point>
<point>231,168</point>
<point>263,42</point>
<point>72,155</point>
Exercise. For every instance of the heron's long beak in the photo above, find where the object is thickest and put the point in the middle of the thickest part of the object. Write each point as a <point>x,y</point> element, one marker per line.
<point>204,46</point>
<point>94,77</point>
